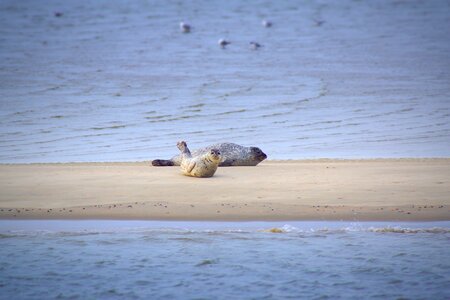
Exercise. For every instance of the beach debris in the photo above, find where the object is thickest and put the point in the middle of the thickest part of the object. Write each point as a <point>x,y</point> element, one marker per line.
<point>223,43</point>
<point>255,45</point>
<point>266,23</point>
<point>185,28</point>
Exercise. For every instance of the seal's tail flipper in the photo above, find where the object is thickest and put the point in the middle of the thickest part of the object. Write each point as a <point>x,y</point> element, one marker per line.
<point>162,163</point>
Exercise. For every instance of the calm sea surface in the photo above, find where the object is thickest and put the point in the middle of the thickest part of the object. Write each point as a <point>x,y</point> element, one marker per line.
<point>170,260</point>
<point>118,81</point>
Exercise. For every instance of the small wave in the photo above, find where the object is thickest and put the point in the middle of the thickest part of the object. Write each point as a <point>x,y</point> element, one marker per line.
<point>207,262</point>
<point>19,113</point>
<point>274,114</point>
<point>7,236</point>
<point>194,105</point>
<point>191,240</point>
<point>49,233</point>
<point>184,232</point>
<point>231,112</point>
<point>181,117</point>
<point>109,127</point>
<point>409,230</point>
<point>157,117</point>
<point>75,233</point>
<point>293,229</point>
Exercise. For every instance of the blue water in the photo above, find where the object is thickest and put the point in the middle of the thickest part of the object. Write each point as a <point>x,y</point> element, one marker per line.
<point>170,260</point>
<point>117,81</point>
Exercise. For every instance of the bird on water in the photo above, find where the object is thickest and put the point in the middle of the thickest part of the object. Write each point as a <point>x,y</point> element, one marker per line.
<point>185,28</point>
<point>223,43</point>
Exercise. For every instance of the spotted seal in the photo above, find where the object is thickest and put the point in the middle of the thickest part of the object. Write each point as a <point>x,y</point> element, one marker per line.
<point>232,155</point>
<point>204,165</point>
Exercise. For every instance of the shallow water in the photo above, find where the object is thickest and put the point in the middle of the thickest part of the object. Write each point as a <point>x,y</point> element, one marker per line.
<point>117,81</point>
<point>189,260</point>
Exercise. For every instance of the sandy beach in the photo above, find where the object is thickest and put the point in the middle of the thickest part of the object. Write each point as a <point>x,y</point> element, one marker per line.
<point>394,189</point>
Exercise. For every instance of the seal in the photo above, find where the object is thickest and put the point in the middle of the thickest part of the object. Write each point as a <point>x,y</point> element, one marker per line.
<point>232,155</point>
<point>198,166</point>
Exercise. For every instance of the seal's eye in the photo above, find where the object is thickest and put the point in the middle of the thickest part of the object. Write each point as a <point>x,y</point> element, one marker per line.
<point>255,150</point>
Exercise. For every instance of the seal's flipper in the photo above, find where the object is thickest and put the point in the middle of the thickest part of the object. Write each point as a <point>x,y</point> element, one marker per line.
<point>162,163</point>
<point>227,163</point>
<point>191,166</point>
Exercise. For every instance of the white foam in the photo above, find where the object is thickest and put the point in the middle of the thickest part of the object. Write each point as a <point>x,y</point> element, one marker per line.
<point>24,227</point>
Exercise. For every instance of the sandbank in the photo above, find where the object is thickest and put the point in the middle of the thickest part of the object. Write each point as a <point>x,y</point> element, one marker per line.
<point>350,190</point>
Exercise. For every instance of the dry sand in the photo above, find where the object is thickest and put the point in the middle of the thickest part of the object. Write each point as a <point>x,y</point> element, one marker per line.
<point>401,189</point>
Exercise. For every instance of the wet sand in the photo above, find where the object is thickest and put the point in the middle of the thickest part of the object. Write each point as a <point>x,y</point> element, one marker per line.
<point>377,190</point>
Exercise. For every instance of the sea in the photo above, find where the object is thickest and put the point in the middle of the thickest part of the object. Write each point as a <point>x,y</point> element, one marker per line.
<point>214,260</point>
<point>110,80</point>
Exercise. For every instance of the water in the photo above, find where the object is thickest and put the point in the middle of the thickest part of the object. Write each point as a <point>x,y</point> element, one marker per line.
<point>188,260</point>
<point>117,81</point>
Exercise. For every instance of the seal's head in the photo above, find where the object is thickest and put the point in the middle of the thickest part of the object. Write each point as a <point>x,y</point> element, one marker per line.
<point>214,154</point>
<point>257,154</point>
<point>181,145</point>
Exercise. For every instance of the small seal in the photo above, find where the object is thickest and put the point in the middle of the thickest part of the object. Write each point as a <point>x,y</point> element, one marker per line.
<point>198,166</point>
<point>232,155</point>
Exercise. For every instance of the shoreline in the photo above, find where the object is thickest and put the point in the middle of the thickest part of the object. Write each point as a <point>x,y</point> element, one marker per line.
<point>404,189</point>
<point>107,226</point>
<point>290,160</point>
